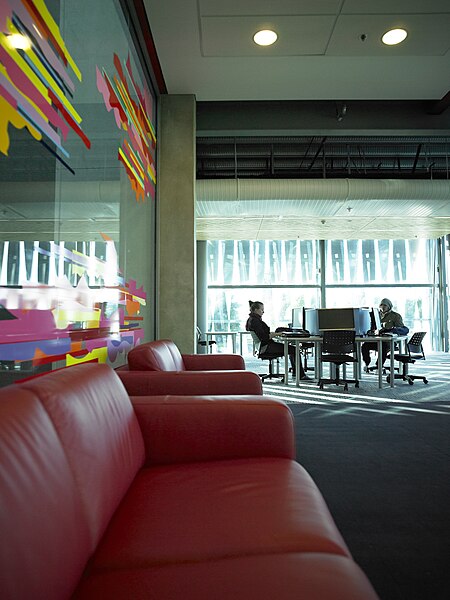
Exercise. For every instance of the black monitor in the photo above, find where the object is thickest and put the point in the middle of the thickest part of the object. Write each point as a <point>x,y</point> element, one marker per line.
<point>354,319</point>
<point>310,320</point>
<point>335,318</point>
<point>375,319</point>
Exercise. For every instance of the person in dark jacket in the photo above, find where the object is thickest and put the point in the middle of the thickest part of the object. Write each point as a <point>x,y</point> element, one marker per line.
<point>389,320</point>
<point>267,345</point>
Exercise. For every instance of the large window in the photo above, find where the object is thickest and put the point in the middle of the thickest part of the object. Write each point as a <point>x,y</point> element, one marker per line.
<point>286,274</point>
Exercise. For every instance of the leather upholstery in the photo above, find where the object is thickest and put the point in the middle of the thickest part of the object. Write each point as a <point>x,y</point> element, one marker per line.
<point>157,368</point>
<point>171,424</point>
<point>164,355</point>
<point>157,383</point>
<point>44,534</point>
<point>292,576</point>
<point>163,497</point>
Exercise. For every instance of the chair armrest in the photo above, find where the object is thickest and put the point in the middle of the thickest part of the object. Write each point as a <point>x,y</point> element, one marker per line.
<point>213,362</point>
<point>188,428</point>
<point>186,383</point>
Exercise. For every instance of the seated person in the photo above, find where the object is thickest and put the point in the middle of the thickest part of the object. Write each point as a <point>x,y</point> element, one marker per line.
<point>389,320</point>
<point>268,346</point>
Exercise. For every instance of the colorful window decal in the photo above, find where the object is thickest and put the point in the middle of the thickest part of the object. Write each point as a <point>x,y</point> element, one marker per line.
<point>35,86</point>
<point>137,152</point>
<point>58,303</point>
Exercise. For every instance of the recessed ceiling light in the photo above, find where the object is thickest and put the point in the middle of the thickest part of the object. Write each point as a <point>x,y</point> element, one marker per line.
<point>19,41</point>
<point>394,36</point>
<point>265,37</point>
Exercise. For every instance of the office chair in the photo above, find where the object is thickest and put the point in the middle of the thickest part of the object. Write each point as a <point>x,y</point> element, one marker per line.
<point>259,351</point>
<point>208,344</point>
<point>414,351</point>
<point>338,348</point>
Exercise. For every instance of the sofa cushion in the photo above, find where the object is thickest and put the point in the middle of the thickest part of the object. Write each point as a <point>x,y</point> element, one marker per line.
<point>98,429</point>
<point>44,536</point>
<point>218,509</point>
<point>160,355</point>
<point>292,576</point>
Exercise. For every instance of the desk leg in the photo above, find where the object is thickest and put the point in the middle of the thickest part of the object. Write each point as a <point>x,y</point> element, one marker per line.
<point>357,365</point>
<point>380,368</point>
<point>208,345</point>
<point>286,361</point>
<point>241,343</point>
<point>297,363</point>
<point>317,361</point>
<point>392,363</point>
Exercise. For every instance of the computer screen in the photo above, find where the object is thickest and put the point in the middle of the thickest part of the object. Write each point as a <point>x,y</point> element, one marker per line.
<point>297,318</point>
<point>363,320</point>
<point>375,320</point>
<point>335,318</point>
<point>310,321</point>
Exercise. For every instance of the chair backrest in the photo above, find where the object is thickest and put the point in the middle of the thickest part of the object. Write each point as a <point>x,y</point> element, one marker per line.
<point>260,348</point>
<point>256,342</point>
<point>338,342</point>
<point>414,345</point>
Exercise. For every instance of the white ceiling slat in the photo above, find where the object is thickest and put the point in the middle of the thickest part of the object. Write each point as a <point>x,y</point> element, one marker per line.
<point>322,209</point>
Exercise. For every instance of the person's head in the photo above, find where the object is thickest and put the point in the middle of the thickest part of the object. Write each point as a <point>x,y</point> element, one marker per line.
<point>256,307</point>
<point>385,305</point>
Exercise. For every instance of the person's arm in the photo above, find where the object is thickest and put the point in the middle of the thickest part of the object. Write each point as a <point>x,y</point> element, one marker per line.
<point>393,319</point>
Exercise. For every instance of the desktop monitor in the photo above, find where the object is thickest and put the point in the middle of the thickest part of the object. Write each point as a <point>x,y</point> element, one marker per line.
<point>363,320</point>
<point>354,319</point>
<point>297,318</point>
<point>375,319</point>
<point>335,318</point>
<point>310,320</point>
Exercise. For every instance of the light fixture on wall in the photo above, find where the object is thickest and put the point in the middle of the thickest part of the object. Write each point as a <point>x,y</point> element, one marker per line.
<point>394,36</point>
<point>18,41</point>
<point>265,37</point>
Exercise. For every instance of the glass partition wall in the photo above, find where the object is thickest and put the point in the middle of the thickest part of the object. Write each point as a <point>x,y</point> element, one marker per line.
<point>77,180</point>
<point>288,274</point>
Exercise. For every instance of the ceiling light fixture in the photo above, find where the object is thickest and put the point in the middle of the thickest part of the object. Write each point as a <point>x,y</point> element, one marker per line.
<point>394,36</point>
<point>265,37</point>
<point>19,41</point>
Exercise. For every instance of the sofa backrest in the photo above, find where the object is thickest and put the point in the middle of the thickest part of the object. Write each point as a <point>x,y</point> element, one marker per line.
<point>44,534</point>
<point>99,432</point>
<point>159,355</point>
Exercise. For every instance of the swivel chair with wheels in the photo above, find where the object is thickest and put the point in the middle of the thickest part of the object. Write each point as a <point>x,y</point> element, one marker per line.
<point>338,348</point>
<point>272,359</point>
<point>414,351</point>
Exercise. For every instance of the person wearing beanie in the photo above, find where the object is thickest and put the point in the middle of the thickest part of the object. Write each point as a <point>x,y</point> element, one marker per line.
<point>389,319</point>
<point>267,345</point>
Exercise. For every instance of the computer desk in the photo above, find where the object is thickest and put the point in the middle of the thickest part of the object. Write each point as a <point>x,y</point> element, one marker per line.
<point>380,339</point>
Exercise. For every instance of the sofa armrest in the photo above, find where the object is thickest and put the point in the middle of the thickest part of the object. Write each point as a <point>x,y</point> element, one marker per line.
<point>213,362</point>
<point>195,383</point>
<point>188,428</point>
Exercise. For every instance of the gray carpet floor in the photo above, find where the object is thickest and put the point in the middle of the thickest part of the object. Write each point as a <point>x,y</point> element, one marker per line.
<point>381,459</point>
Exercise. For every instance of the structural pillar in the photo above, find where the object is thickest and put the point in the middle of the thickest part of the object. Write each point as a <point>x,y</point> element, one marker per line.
<point>176,251</point>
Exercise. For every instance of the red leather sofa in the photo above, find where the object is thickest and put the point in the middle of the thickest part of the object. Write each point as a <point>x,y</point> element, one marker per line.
<point>163,498</point>
<point>158,367</point>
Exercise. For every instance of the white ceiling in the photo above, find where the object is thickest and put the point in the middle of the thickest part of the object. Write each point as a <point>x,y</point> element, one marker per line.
<point>205,48</point>
<point>326,50</point>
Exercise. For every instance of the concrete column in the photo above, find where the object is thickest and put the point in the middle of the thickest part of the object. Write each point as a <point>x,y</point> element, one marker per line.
<point>176,289</point>
<point>202,289</point>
